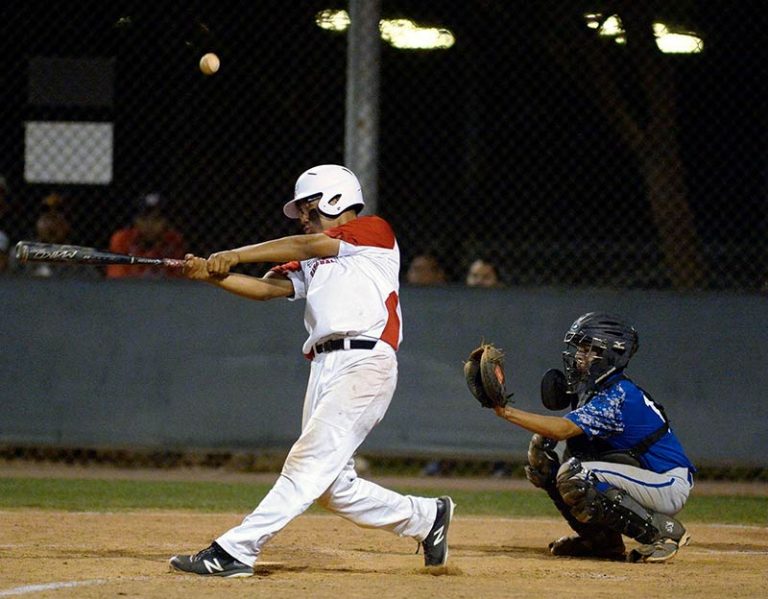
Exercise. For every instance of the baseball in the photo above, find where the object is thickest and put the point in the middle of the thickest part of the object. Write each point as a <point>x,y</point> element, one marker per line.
<point>209,63</point>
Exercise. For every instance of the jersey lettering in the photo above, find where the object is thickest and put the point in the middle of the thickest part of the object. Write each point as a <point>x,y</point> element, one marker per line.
<point>315,262</point>
<point>650,404</point>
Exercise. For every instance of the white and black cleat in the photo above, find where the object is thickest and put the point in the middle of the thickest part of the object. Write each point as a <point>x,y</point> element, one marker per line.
<point>435,545</point>
<point>211,561</point>
<point>660,551</point>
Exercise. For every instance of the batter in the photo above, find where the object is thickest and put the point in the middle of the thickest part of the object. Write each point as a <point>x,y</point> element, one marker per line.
<point>346,267</point>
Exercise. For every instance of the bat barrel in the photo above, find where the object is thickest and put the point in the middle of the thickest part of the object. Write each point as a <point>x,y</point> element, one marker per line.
<point>32,251</point>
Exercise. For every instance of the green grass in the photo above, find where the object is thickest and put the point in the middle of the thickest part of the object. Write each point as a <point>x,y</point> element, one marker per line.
<point>117,495</point>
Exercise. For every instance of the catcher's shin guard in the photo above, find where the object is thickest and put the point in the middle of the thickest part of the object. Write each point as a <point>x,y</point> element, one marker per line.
<point>661,535</point>
<point>591,539</point>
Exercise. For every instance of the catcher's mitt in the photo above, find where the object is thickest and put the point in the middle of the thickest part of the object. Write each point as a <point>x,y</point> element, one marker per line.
<point>484,372</point>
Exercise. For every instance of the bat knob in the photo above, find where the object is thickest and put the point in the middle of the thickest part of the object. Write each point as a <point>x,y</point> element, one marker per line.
<point>22,252</point>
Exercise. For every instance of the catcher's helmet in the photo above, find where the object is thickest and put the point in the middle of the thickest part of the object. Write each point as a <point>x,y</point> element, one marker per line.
<point>612,341</point>
<point>335,186</point>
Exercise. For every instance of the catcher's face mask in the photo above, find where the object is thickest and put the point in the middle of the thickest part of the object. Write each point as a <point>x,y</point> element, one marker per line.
<point>581,358</point>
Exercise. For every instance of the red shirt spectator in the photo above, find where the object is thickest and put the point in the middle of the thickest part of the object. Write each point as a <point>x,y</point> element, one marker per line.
<point>150,236</point>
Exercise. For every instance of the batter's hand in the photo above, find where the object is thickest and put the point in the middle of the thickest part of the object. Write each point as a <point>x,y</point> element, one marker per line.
<point>220,262</point>
<point>195,268</point>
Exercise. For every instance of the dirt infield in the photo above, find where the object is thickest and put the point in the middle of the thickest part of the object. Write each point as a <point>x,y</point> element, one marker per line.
<point>70,554</point>
<point>76,554</point>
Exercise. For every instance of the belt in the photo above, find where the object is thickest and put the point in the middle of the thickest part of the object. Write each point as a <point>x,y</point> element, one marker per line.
<point>334,344</point>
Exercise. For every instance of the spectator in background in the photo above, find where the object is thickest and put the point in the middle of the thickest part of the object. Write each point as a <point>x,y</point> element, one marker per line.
<point>150,236</point>
<point>3,210</point>
<point>425,269</point>
<point>52,226</point>
<point>483,273</point>
<point>5,244</point>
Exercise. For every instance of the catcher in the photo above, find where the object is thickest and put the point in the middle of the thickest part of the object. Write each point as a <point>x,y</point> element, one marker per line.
<point>624,471</point>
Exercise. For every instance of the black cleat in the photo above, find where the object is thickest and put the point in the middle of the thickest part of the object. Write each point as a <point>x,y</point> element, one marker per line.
<point>211,561</point>
<point>605,545</point>
<point>435,545</point>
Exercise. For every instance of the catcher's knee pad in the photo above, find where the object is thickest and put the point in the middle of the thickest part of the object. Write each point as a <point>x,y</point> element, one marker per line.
<point>576,486</point>
<point>543,461</point>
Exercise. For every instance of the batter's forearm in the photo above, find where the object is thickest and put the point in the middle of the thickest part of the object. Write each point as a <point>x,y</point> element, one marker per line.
<point>553,427</point>
<point>285,249</point>
<point>252,287</point>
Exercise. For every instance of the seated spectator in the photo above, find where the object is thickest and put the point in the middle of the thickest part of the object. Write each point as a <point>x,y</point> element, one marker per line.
<point>150,236</point>
<point>4,248</point>
<point>3,210</point>
<point>425,269</point>
<point>52,226</point>
<point>483,273</point>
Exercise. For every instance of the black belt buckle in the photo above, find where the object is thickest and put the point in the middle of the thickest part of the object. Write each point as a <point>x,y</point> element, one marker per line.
<point>327,346</point>
<point>362,344</point>
<point>334,344</point>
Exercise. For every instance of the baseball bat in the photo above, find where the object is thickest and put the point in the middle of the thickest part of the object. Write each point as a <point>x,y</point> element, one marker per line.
<point>32,251</point>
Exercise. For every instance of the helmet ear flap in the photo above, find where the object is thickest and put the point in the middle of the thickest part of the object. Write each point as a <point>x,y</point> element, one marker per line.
<point>323,206</point>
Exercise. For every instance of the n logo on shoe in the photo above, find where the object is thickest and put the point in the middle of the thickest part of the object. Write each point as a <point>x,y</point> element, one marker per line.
<point>214,565</point>
<point>439,536</point>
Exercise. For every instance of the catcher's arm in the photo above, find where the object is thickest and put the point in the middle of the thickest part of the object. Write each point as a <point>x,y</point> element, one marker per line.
<point>553,427</point>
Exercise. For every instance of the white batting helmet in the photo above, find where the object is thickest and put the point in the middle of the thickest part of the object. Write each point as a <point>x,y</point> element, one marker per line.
<point>335,186</point>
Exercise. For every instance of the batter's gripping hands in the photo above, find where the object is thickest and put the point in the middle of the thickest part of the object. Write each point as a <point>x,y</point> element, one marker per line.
<point>484,373</point>
<point>220,262</point>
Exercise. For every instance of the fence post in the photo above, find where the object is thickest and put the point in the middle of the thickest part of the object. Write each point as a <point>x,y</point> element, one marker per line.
<point>361,146</point>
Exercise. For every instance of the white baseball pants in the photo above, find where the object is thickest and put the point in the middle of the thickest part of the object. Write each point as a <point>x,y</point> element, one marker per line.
<point>664,492</point>
<point>348,393</point>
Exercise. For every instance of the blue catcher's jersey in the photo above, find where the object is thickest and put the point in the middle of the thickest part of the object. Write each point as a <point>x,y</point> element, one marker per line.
<point>622,415</point>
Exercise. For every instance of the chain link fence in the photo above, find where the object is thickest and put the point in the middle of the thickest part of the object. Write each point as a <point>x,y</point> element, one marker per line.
<point>579,144</point>
<point>559,142</point>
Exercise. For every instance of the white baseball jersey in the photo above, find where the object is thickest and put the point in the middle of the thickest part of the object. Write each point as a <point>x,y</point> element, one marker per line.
<point>353,294</point>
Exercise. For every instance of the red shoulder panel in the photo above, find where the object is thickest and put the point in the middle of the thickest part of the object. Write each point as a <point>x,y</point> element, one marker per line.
<point>365,230</point>
<point>291,266</point>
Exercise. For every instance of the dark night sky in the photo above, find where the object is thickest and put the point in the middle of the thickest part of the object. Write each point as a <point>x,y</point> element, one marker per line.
<point>489,138</point>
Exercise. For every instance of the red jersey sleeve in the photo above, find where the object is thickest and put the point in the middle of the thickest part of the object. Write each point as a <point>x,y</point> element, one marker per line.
<point>365,230</point>
<point>284,269</point>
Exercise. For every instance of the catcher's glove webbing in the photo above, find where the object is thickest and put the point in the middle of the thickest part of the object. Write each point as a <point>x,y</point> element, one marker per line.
<point>484,373</point>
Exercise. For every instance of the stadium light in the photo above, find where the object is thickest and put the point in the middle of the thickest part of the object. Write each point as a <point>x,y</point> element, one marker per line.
<point>332,20</point>
<point>671,42</point>
<point>667,40</point>
<point>403,34</point>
